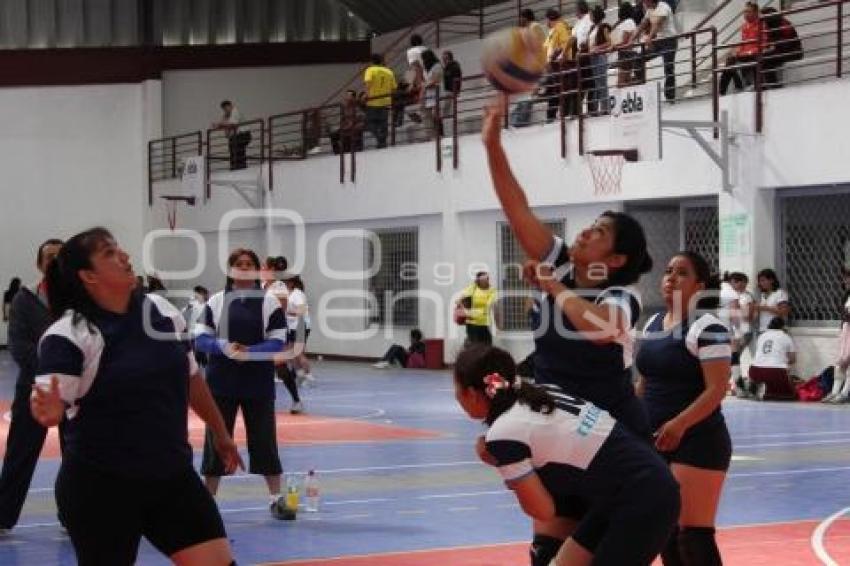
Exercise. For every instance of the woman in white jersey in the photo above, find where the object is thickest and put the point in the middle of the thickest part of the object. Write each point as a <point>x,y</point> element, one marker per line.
<point>298,323</point>
<point>735,312</point>
<point>549,447</point>
<point>769,377</point>
<point>774,300</point>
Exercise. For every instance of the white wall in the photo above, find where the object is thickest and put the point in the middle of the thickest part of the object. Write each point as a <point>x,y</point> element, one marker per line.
<point>191,98</point>
<point>457,213</point>
<point>72,158</point>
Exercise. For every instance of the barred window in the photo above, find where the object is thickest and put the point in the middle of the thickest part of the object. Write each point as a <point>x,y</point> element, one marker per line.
<point>814,239</point>
<point>396,282</point>
<point>701,227</point>
<point>511,285</point>
<point>669,228</point>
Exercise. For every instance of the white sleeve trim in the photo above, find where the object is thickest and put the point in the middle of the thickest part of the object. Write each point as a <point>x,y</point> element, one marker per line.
<point>555,251</point>
<point>517,471</point>
<point>270,305</point>
<point>91,344</point>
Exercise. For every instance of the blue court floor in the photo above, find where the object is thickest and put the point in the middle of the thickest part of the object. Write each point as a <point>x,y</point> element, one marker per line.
<point>398,474</point>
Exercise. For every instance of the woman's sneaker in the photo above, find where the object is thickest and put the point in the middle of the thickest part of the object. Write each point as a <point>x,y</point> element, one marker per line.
<point>761,390</point>
<point>381,365</point>
<point>297,408</point>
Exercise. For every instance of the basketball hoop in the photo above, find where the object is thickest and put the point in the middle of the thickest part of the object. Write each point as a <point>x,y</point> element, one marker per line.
<point>171,202</point>
<point>606,168</point>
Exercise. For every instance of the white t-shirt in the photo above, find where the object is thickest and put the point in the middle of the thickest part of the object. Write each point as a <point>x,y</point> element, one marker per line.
<point>415,54</point>
<point>626,26</point>
<point>581,31</point>
<point>662,10</point>
<point>278,289</point>
<point>726,313</point>
<point>772,350</point>
<point>297,301</point>
<point>745,301</point>
<point>433,76</point>
<point>774,299</point>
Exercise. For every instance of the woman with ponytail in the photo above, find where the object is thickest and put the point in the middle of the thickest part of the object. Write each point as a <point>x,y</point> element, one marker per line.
<point>584,341</point>
<point>117,364</point>
<point>550,447</point>
<point>684,363</point>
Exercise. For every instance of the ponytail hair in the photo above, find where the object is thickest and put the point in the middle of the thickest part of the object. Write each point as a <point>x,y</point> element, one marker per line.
<point>65,289</point>
<point>492,371</point>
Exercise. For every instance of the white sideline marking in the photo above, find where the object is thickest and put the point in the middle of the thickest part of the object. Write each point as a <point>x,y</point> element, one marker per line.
<point>820,532</point>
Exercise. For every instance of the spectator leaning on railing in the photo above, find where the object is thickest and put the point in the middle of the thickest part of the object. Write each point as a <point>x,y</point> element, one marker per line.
<point>659,40</point>
<point>452,77</point>
<point>380,84</point>
<point>559,57</point>
<point>599,43</point>
<point>349,136</point>
<point>236,141</point>
<point>747,52</point>
<point>783,46</point>
<point>622,35</point>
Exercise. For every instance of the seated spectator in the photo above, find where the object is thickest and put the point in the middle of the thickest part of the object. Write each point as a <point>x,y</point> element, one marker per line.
<point>380,84</point>
<point>746,53</point>
<point>769,377</point>
<point>659,40</point>
<point>622,36</point>
<point>349,136</point>
<point>411,358</point>
<point>783,46</point>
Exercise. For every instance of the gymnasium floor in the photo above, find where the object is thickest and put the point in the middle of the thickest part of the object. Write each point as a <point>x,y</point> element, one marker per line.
<point>401,485</point>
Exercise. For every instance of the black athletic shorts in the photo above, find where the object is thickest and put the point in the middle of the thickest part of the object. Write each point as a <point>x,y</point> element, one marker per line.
<point>261,430</point>
<point>106,514</point>
<point>707,446</point>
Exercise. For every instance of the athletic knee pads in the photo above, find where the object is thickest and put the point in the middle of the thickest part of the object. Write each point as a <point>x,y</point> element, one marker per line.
<point>544,549</point>
<point>697,547</point>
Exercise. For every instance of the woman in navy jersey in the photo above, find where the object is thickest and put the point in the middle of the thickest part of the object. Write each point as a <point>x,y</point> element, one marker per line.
<point>550,446</point>
<point>116,362</point>
<point>584,341</point>
<point>241,330</point>
<point>684,363</point>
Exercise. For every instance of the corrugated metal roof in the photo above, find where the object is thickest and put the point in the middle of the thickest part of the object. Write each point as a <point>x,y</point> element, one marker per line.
<point>389,15</point>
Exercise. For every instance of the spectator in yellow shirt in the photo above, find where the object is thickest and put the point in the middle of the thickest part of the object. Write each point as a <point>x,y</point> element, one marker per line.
<point>380,84</point>
<point>478,299</point>
<point>558,46</point>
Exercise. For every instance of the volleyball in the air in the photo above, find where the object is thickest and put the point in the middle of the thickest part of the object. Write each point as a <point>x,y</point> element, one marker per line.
<point>513,59</point>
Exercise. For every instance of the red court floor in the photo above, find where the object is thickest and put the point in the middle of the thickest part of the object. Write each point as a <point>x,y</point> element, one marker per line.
<point>783,544</point>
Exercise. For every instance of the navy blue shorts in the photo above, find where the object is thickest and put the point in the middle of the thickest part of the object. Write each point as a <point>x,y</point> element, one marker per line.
<point>706,446</point>
<point>632,502</point>
<point>107,515</point>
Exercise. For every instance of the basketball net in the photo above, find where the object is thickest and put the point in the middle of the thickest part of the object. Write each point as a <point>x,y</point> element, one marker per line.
<point>171,211</point>
<point>607,171</point>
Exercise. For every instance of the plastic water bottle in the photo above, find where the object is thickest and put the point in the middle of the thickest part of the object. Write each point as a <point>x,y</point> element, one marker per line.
<point>311,490</point>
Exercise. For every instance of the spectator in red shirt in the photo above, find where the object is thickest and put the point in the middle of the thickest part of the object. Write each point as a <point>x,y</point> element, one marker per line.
<point>746,52</point>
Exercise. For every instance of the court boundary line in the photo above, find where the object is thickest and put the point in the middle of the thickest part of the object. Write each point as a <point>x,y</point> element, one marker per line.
<point>817,539</point>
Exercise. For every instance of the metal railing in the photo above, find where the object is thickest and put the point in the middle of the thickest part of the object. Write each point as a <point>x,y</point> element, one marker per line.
<point>165,157</point>
<point>235,148</point>
<point>574,93</point>
<point>813,55</point>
